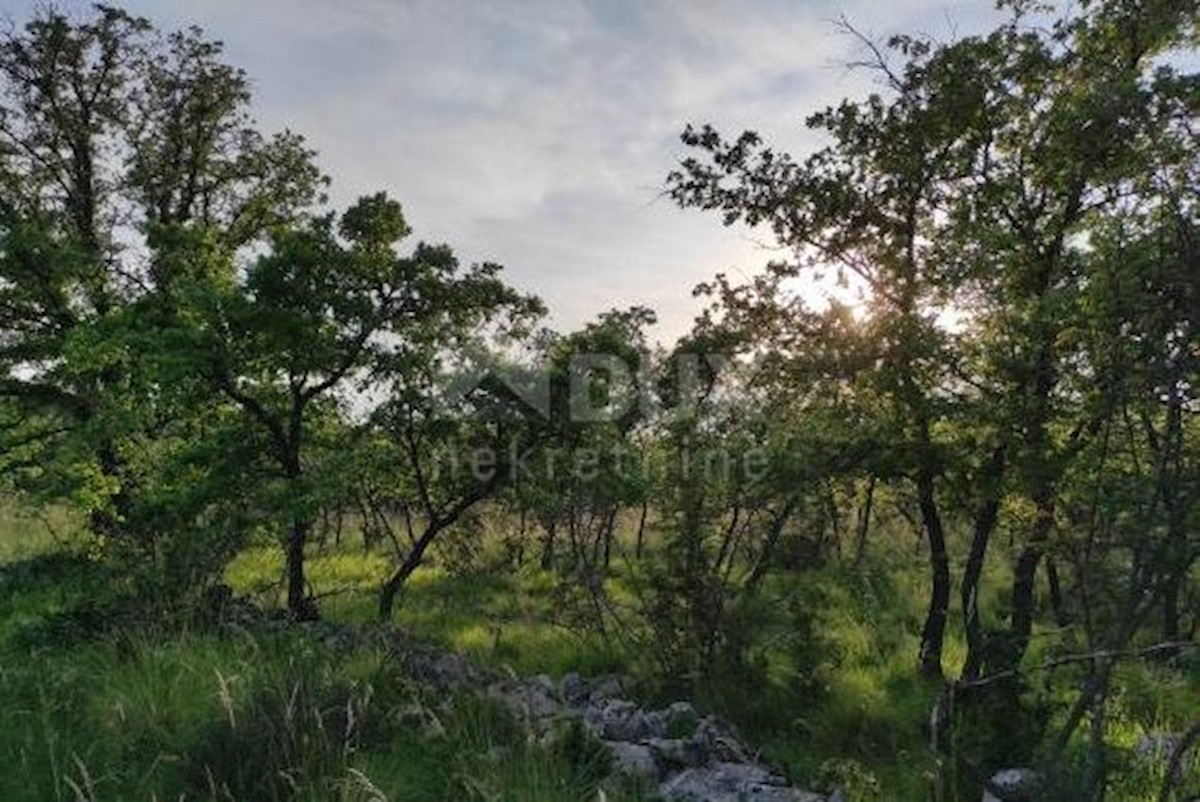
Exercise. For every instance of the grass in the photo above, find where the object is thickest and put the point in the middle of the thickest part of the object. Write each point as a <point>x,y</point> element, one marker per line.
<point>827,690</point>
<point>27,532</point>
<point>207,718</point>
<point>829,693</point>
<point>508,620</point>
<point>158,713</point>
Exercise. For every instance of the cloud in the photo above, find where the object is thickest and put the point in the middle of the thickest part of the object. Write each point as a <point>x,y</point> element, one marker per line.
<point>538,133</point>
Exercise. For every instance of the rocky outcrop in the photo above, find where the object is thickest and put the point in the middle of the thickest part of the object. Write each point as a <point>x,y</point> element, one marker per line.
<point>732,782</point>
<point>689,757</point>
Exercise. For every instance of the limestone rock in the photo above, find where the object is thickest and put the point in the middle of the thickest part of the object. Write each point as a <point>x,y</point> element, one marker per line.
<point>720,742</point>
<point>1016,785</point>
<point>679,752</point>
<point>681,718</point>
<point>731,782</point>
<point>1157,745</point>
<point>574,690</point>
<point>531,702</point>
<point>610,719</point>
<point>633,760</point>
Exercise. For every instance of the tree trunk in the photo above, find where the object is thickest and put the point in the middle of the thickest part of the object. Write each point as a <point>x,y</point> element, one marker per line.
<point>934,632</point>
<point>548,546</point>
<point>107,521</point>
<point>610,525</point>
<point>1037,442</point>
<point>835,521</point>
<point>391,588</point>
<point>1024,577</point>
<point>1170,625</point>
<point>1057,603</point>
<point>763,564</point>
<point>985,525</point>
<point>393,585</point>
<point>300,605</point>
<point>864,524</point>
<point>641,531</point>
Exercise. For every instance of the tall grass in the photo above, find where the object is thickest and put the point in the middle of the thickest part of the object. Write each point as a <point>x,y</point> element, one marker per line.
<point>826,689</point>
<point>168,713</point>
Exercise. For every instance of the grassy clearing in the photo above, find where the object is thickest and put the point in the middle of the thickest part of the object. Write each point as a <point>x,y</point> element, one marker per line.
<point>26,532</point>
<point>156,714</point>
<point>828,690</point>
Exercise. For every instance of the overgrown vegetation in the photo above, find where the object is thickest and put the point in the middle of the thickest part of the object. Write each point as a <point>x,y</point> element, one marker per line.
<point>902,545</point>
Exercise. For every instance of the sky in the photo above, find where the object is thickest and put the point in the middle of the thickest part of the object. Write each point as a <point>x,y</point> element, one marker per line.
<point>538,133</point>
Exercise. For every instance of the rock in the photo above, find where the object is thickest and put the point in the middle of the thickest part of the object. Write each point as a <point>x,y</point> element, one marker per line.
<point>548,686</point>
<point>633,760</point>
<point>731,782</point>
<point>643,725</point>
<point>531,702</point>
<point>337,637</point>
<point>704,759</point>
<point>1014,785</point>
<point>231,610</point>
<point>723,782</point>
<point>609,719</point>
<point>781,794</point>
<point>678,752</point>
<point>450,669</point>
<point>1157,745</point>
<point>574,690</point>
<point>681,716</point>
<point>720,742</point>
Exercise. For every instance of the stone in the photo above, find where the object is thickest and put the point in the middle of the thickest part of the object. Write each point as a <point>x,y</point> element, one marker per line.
<point>681,715</point>
<point>451,669</point>
<point>528,701</point>
<point>548,686</point>
<point>775,793</point>
<point>679,752</point>
<point>731,782</point>
<point>610,719</point>
<point>723,782</point>
<point>690,758</point>
<point>1157,745</point>
<point>337,637</point>
<point>1159,748</point>
<point>1015,785</point>
<point>633,760</point>
<point>719,742</point>
<point>574,690</point>
<point>642,725</point>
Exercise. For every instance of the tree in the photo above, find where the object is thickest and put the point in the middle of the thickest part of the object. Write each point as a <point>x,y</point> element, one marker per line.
<point>1037,182</point>
<point>442,448</point>
<point>862,205</point>
<point>331,307</point>
<point>109,133</point>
